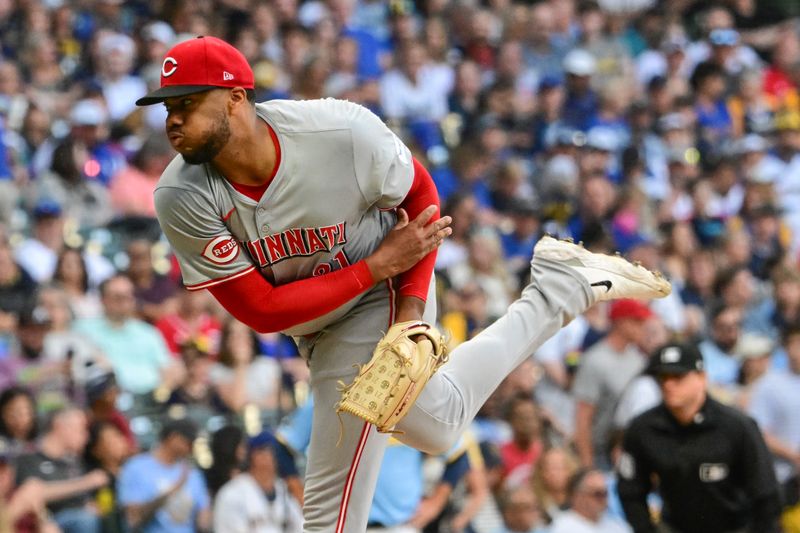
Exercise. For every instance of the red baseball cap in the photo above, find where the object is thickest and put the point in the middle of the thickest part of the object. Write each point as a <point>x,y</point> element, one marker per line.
<point>628,308</point>
<point>199,65</point>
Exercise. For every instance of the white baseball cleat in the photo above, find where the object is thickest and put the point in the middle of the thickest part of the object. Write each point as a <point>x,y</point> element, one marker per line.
<point>610,276</point>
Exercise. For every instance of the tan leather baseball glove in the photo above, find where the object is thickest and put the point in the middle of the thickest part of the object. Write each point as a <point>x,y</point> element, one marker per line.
<point>403,361</point>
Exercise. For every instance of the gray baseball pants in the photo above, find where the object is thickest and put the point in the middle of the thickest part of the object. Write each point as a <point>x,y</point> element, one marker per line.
<point>340,478</point>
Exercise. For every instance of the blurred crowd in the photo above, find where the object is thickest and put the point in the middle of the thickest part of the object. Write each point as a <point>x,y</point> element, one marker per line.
<point>669,131</point>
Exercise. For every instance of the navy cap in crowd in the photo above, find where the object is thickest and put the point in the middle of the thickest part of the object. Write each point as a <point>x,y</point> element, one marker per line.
<point>46,209</point>
<point>265,439</point>
<point>99,381</point>
<point>183,427</point>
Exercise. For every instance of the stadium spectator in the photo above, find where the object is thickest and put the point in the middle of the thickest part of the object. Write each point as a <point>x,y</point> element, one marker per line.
<point>257,500</point>
<point>604,371</point>
<point>559,358</point>
<point>755,351</point>
<point>542,53</point>
<point>99,159</point>
<point>135,349</point>
<point>23,505</point>
<point>526,225</point>
<point>71,275</point>
<point>195,392</point>
<point>485,266</point>
<point>17,290</point>
<point>786,306</point>
<point>581,102</point>
<point>156,294</point>
<point>160,490</point>
<point>18,425</point>
<point>551,481</point>
<point>38,255</point>
<point>713,119</point>
<point>243,376</point>
<point>469,315</point>
<point>190,322</point>
<point>521,454</point>
<point>65,183</point>
<point>61,343</point>
<point>588,501</point>
<point>521,512</point>
<point>57,462</point>
<point>773,405</point>
<point>107,450</point>
<point>102,395</point>
<point>641,394</point>
<point>228,447</point>
<point>27,364</point>
<point>115,61</point>
<point>414,92</point>
<point>131,189</point>
<point>721,365</point>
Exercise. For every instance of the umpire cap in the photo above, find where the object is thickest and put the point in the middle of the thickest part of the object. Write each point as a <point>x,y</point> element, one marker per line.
<point>676,358</point>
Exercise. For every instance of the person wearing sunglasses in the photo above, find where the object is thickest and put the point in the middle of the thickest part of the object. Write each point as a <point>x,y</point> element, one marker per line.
<point>588,503</point>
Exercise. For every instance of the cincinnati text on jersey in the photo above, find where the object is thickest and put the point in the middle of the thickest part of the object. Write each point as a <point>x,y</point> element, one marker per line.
<point>296,242</point>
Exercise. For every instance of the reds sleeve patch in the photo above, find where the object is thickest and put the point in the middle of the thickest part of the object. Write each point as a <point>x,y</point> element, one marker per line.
<point>221,250</point>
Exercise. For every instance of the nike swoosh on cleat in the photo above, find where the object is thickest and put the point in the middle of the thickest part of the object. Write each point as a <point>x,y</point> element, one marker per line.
<point>606,284</point>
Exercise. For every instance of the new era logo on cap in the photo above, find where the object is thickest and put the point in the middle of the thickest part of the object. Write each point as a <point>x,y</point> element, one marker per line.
<point>199,65</point>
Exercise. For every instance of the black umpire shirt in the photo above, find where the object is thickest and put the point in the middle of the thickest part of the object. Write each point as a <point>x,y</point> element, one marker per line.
<point>714,475</point>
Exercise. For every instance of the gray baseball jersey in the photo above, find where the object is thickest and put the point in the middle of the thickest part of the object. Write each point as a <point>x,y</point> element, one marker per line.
<point>340,167</point>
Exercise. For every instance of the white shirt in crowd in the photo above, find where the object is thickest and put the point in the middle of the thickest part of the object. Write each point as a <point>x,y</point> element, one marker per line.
<point>242,507</point>
<point>572,522</point>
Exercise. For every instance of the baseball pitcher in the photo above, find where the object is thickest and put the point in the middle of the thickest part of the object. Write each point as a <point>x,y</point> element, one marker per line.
<point>312,218</point>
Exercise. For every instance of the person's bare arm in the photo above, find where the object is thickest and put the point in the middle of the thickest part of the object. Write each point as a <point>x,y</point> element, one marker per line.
<point>781,449</point>
<point>53,491</point>
<point>295,486</point>
<point>139,514</point>
<point>557,373</point>
<point>234,392</point>
<point>431,506</point>
<point>204,519</point>
<point>583,432</point>
<point>478,488</point>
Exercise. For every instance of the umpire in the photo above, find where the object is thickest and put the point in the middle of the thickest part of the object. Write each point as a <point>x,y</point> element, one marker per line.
<point>708,461</point>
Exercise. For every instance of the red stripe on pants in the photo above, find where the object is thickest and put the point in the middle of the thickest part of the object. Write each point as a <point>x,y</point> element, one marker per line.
<point>351,476</point>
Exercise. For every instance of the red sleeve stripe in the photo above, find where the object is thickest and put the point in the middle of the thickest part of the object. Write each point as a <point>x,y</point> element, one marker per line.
<point>226,217</point>
<point>211,283</point>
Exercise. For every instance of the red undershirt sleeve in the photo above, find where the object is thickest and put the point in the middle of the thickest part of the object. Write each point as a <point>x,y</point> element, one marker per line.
<point>267,308</point>
<point>416,280</point>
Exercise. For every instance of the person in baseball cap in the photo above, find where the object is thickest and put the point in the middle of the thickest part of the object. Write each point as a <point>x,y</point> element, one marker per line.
<point>181,427</point>
<point>676,358</point>
<point>261,441</point>
<point>629,309</point>
<point>200,65</point>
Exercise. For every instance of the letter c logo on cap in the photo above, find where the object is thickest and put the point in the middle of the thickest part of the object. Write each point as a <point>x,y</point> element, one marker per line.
<point>169,71</point>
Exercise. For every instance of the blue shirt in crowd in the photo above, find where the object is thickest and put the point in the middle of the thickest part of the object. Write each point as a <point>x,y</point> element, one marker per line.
<point>144,479</point>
